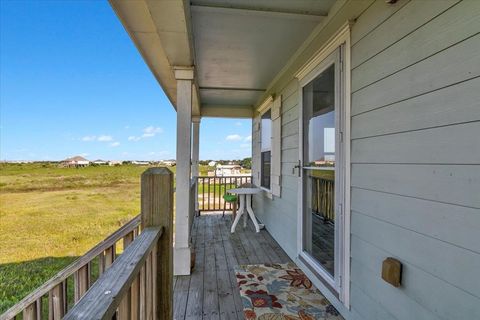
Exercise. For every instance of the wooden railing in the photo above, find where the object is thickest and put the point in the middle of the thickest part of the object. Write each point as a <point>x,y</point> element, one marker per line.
<point>212,189</point>
<point>55,291</point>
<point>134,285</point>
<point>131,280</point>
<point>323,198</point>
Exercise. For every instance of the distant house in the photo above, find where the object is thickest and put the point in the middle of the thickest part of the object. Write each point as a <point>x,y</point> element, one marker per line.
<point>114,163</point>
<point>141,163</point>
<point>77,161</point>
<point>169,163</point>
<point>100,162</point>
<point>227,170</point>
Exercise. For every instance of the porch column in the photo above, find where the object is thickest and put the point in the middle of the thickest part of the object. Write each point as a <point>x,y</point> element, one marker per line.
<point>195,145</point>
<point>184,76</point>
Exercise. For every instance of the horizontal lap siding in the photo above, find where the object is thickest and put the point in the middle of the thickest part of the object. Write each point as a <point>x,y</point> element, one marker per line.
<point>280,214</point>
<point>416,159</point>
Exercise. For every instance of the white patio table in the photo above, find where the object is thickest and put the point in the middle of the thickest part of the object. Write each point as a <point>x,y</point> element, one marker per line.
<point>244,194</point>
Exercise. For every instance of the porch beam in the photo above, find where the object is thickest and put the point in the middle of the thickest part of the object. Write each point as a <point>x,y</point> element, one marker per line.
<point>226,111</point>
<point>184,76</point>
<point>233,89</point>
<point>198,5</point>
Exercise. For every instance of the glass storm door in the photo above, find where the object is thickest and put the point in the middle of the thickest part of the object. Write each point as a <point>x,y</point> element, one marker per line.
<point>322,169</point>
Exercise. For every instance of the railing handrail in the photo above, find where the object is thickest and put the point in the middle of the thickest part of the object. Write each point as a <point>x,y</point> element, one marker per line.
<point>72,268</point>
<point>105,295</point>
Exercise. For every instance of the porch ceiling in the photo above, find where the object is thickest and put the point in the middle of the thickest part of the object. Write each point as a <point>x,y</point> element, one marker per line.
<point>241,45</point>
<point>236,46</point>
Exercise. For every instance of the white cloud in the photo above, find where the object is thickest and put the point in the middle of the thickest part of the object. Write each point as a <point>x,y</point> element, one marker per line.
<point>238,124</point>
<point>89,138</point>
<point>114,144</point>
<point>148,132</point>
<point>104,138</point>
<point>233,137</point>
<point>151,131</point>
<point>247,139</point>
<point>148,135</point>
<point>133,138</point>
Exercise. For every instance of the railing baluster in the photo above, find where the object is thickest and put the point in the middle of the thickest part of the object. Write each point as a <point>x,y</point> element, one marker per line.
<point>154,280</point>
<point>101,263</point>
<point>143,309</point>
<point>135,299</point>
<point>38,308</point>
<point>209,194</point>
<point>65,295</point>
<point>30,312</point>
<point>125,305</point>
<point>81,282</point>
<point>214,194</point>
<point>109,256</point>
<point>128,239</point>
<point>148,287</point>
<point>56,299</point>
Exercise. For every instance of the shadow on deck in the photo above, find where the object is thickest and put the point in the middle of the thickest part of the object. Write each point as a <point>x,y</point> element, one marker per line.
<point>210,292</point>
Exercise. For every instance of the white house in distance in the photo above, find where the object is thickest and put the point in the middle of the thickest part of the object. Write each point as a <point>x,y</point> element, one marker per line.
<point>77,161</point>
<point>169,163</point>
<point>226,170</point>
<point>100,162</point>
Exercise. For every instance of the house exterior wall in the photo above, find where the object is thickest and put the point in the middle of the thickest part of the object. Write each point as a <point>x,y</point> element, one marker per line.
<point>415,161</point>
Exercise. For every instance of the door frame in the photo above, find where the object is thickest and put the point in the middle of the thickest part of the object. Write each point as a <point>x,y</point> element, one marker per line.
<point>306,74</point>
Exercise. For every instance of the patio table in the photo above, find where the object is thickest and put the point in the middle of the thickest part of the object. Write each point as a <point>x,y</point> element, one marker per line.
<point>244,193</point>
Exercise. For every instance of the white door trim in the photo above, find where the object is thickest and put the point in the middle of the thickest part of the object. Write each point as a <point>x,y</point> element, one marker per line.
<point>307,73</point>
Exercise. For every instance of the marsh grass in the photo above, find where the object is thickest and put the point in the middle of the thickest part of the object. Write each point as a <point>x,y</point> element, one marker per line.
<point>49,216</point>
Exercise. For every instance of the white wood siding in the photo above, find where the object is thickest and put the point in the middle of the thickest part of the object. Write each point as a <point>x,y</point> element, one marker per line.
<point>415,172</point>
<point>416,160</point>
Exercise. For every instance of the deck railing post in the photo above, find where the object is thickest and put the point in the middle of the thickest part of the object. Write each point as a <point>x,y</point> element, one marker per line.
<point>157,210</point>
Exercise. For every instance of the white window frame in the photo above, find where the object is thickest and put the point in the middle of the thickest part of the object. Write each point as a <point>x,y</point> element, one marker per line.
<point>306,74</point>
<point>264,108</point>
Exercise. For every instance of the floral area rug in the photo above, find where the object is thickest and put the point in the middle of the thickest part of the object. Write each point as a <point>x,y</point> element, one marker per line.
<point>281,292</point>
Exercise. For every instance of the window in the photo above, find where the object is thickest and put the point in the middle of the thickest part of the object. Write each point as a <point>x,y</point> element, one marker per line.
<point>266,149</point>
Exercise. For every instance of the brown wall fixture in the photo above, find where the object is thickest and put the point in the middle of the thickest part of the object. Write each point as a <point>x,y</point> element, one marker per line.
<point>392,271</point>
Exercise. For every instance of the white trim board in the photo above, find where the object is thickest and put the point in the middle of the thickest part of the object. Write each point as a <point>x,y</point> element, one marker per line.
<point>305,74</point>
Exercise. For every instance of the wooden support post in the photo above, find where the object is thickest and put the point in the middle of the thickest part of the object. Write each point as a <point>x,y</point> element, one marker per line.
<point>157,210</point>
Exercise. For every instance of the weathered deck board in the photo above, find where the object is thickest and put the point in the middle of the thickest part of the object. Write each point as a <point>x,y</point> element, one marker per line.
<point>210,292</point>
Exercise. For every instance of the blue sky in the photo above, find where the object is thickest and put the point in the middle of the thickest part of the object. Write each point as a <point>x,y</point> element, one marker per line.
<point>73,83</point>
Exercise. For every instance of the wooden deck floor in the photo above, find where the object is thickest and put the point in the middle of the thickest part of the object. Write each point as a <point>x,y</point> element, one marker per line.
<point>210,292</point>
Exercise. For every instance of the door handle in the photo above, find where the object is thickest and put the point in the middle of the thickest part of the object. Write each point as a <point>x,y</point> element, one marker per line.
<point>299,167</point>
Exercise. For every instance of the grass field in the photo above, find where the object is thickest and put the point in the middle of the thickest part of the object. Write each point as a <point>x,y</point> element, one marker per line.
<point>51,215</point>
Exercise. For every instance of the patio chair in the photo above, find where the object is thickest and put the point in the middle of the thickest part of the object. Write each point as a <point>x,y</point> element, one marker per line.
<point>230,198</point>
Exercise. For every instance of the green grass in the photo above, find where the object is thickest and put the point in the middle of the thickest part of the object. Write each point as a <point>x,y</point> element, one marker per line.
<point>51,215</point>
